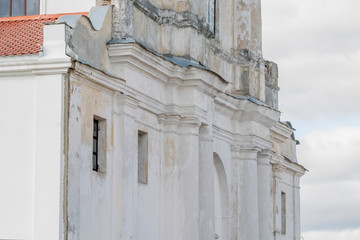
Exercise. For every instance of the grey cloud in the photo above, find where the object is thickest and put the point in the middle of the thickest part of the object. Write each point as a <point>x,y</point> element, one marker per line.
<point>318,26</point>
<point>331,155</point>
<point>330,191</point>
<point>317,48</point>
<point>326,209</point>
<point>316,44</point>
<point>348,234</point>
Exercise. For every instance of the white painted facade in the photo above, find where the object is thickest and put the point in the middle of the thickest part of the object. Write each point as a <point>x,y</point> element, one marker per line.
<point>32,130</point>
<point>65,6</point>
<point>218,162</point>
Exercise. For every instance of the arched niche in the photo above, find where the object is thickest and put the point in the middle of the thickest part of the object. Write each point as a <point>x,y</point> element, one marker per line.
<point>221,200</point>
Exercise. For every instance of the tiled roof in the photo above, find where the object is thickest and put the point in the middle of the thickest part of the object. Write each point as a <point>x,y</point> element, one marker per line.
<point>25,34</point>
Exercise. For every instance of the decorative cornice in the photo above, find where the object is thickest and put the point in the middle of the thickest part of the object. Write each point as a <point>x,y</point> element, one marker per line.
<point>245,110</point>
<point>247,147</point>
<point>280,164</point>
<point>281,132</point>
<point>264,157</point>
<point>222,134</point>
<point>248,154</point>
<point>127,105</point>
<point>33,65</point>
<point>173,124</point>
<point>158,67</point>
<point>252,142</point>
<point>87,73</point>
<point>118,84</point>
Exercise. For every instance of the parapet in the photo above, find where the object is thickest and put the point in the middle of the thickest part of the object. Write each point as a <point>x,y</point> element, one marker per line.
<point>220,36</point>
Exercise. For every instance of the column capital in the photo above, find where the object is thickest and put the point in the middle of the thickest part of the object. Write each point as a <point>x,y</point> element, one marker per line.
<point>264,157</point>
<point>239,153</point>
<point>205,133</point>
<point>277,169</point>
<point>249,154</point>
<point>125,104</point>
<point>252,142</point>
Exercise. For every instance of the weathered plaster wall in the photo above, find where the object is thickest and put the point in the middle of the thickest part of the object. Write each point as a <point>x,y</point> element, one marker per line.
<point>94,201</point>
<point>286,181</point>
<point>208,103</point>
<point>211,156</point>
<point>225,37</point>
<point>87,36</point>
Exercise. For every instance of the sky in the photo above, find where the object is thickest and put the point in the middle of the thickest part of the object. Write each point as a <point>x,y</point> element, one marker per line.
<point>316,44</point>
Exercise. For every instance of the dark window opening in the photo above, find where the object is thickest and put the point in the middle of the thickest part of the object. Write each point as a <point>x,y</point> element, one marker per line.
<point>95,158</point>
<point>215,18</point>
<point>12,8</point>
<point>283,213</point>
<point>142,157</point>
<point>211,16</point>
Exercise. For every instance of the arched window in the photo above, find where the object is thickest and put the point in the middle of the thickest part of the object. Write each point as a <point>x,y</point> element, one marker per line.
<point>11,8</point>
<point>221,200</point>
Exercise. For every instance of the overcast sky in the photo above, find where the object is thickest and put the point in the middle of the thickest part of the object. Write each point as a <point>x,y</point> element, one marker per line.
<point>316,44</point>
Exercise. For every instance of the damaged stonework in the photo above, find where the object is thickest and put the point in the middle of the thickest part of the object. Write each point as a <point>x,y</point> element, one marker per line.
<point>271,83</point>
<point>223,36</point>
<point>195,31</point>
<point>177,13</point>
<point>192,138</point>
<point>86,37</point>
<point>211,158</point>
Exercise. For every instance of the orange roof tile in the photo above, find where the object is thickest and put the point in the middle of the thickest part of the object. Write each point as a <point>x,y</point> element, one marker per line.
<point>25,34</point>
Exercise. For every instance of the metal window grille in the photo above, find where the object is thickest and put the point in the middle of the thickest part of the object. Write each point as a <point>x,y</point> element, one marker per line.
<point>95,158</point>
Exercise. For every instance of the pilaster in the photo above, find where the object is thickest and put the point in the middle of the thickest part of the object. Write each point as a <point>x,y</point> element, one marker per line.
<point>124,172</point>
<point>248,200</point>
<point>277,169</point>
<point>188,166</point>
<point>179,177</point>
<point>296,197</point>
<point>206,183</point>
<point>264,194</point>
<point>235,193</point>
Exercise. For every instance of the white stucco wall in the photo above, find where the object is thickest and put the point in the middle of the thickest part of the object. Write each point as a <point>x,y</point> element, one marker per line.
<point>17,198</point>
<point>65,6</point>
<point>30,154</point>
<point>31,143</point>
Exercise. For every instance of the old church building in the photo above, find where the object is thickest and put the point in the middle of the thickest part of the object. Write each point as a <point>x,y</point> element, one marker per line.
<point>142,120</point>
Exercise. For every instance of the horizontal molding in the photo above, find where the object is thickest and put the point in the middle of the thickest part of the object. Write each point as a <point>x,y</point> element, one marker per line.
<point>281,132</point>
<point>33,65</point>
<point>158,67</point>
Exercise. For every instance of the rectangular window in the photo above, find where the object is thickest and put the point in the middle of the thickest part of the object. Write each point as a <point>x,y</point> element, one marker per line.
<point>283,213</point>
<point>95,157</point>
<point>212,15</point>
<point>99,145</point>
<point>17,8</point>
<point>32,7</point>
<point>142,157</point>
<point>4,8</point>
<point>12,8</point>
